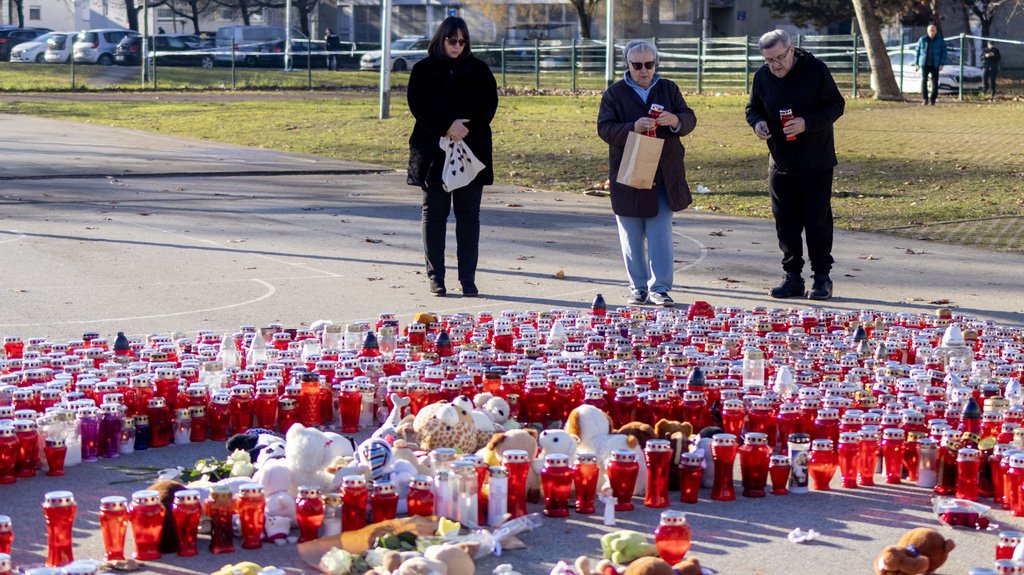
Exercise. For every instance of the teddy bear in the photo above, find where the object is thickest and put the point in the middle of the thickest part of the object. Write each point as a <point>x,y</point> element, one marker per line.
<point>252,442</point>
<point>624,546</point>
<point>920,550</point>
<point>243,568</point>
<point>485,427</point>
<point>638,429</point>
<point>593,427</point>
<point>388,429</point>
<point>497,409</point>
<point>443,559</point>
<point>522,439</point>
<point>444,424</point>
<point>658,566</point>
<point>551,441</point>
<point>678,435</point>
<point>378,457</point>
<point>583,565</point>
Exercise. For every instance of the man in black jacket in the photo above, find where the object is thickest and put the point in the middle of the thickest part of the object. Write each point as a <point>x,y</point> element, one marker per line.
<point>793,103</point>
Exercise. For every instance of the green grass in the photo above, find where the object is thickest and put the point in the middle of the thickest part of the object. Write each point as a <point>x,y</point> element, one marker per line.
<point>900,164</point>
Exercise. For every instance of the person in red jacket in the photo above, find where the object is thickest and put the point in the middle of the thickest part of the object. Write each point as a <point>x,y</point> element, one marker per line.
<point>793,103</point>
<point>644,217</point>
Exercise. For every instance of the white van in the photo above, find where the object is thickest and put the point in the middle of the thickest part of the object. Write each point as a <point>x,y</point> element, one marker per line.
<point>246,40</point>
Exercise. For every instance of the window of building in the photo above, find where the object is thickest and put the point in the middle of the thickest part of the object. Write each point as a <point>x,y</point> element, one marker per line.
<point>676,10</point>
<point>35,13</point>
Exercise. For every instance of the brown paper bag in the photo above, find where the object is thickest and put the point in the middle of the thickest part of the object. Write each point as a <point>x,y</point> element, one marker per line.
<point>640,161</point>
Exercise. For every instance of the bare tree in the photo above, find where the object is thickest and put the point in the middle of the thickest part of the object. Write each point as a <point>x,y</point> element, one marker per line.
<point>16,7</point>
<point>305,9</point>
<point>585,10</point>
<point>882,76</point>
<point>193,10</point>
<point>245,8</point>
<point>986,10</point>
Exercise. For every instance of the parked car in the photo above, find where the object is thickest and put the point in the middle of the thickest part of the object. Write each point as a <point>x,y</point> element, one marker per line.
<point>32,51</point>
<point>405,52</point>
<point>58,48</point>
<point>11,37</point>
<point>98,46</point>
<point>245,42</point>
<point>272,54</point>
<point>909,79</point>
<point>170,49</point>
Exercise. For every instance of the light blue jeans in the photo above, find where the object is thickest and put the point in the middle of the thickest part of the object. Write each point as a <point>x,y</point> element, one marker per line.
<point>649,267</point>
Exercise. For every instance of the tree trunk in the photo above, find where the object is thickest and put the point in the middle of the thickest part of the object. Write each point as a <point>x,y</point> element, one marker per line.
<point>581,12</point>
<point>21,13</point>
<point>243,7</point>
<point>881,69</point>
<point>936,8</point>
<point>132,13</point>
<point>304,12</point>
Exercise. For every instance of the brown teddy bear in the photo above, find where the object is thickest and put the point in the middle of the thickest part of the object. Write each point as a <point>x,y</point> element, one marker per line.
<point>678,434</point>
<point>641,431</point>
<point>658,566</point>
<point>920,550</point>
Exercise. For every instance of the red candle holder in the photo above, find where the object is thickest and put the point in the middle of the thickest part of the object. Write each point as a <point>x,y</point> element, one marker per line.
<point>585,474</point>
<point>287,413</point>
<point>912,455</point>
<point>113,526</point>
<point>251,505</point>
<point>822,464</point>
<point>893,441</point>
<point>672,537</point>
<point>1013,480</point>
<point>733,416</point>
<point>59,511</point>
<point>309,513</point>
<point>623,470</point>
<point>870,438</point>
<point>754,462</point>
<point>28,448</point>
<point>658,454</point>
<point>779,467</point>
<point>350,402</point>
<point>10,451</point>
<point>219,415</point>
<point>1008,542</point>
<point>146,514</point>
<point>161,429</point>
<point>187,511</point>
<point>420,499</point>
<point>220,507</point>
<point>849,458</point>
<point>383,501</point>
<point>517,463</point>
<point>200,423</point>
<point>6,534</point>
<point>5,564</point>
<point>826,425</point>
<point>556,483</point>
<point>241,408</point>
<point>967,467</point>
<point>354,495</point>
<point>56,450</point>
<point>724,448</point>
<point>691,471</point>
<point>309,399</point>
<point>266,405</point>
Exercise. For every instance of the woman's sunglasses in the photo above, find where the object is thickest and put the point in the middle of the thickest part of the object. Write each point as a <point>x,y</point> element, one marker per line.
<point>638,65</point>
<point>455,41</point>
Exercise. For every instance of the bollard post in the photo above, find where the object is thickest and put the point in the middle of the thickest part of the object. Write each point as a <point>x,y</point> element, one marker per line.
<point>572,62</point>
<point>855,65</point>
<point>536,63</point>
<point>233,79</point>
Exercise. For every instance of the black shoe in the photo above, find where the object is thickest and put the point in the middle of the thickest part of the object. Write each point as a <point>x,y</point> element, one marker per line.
<point>792,286</point>
<point>469,289</point>
<point>437,288</point>
<point>925,102</point>
<point>821,288</point>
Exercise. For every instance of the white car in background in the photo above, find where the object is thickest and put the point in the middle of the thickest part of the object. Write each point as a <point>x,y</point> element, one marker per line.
<point>34,50</point>
<point>949,76</point>
<point>58,48</point>
<point>405,52</point>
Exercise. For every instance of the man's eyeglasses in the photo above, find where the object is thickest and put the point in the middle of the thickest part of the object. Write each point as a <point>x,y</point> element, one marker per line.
<point>639,65</point>
<point>455,41</point>
<point>780,59</point>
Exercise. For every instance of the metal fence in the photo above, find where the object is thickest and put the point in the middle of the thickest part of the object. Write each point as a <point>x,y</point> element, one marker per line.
<point>719,65</point>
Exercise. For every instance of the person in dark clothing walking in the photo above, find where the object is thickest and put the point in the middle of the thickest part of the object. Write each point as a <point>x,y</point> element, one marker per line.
<point>645,216</point>
<point>930,58</point>
<point>990,58</point>
<point>332,43</point>
<point>801,157</point>
<point>451,93</point>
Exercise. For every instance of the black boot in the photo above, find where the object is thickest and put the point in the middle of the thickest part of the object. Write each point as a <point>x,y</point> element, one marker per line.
<point>437,288</point>
<point>821,288</point>
<point>792,286</point>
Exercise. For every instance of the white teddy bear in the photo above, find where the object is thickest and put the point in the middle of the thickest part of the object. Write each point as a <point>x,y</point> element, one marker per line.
<point>593,427</point>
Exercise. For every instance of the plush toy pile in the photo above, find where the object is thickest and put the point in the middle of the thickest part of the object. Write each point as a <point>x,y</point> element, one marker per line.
<point>561,386</point>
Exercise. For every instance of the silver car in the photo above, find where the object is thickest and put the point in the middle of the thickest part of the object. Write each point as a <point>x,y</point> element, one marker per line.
<point>404,53</point>
<point>98,46</point>
<point>33,51</point>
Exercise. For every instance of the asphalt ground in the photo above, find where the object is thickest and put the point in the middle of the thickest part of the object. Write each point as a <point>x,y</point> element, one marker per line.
<point>105,229</point>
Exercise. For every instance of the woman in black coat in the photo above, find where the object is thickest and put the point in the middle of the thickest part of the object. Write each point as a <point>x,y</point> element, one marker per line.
<point>453,94</point>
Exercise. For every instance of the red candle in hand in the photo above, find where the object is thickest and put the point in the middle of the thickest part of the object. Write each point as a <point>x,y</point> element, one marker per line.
<point>147,517</point>
<point>113,526</point>
<point>309,513</point>
<point>623,470</point>
<point>59,510</point>
<point>672,537</point>
<point>187,511</point>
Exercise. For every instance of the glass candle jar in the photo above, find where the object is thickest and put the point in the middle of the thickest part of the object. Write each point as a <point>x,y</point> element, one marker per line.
<point>799,447</point>
<point>220,507</point>
<point>1013,480</point>
<point>724,447</point>
<point>182,426</point>
<point>733,416</point>
<point>309,399</point>
<point>779,467</point>
<point>870,441</point>
<point>421,496</point>
<point>309,512</point>
<point>241,408</point>
<point>1008,542</point>
<point>383,501</point>
<point>691,470</point>
<point>354,495</point>
<point>466,500</point>
<point>672,537</point>
<point>59,511</point>
<point>111,428</point>
<point>89,430</point>
<point>585,473</point>
<point>350,402</point>
<point>266,404</point>
<point>187,511</point>
<point>822,464</point>
<point>160,424</point>
<point>55,449</point>
<point>9,452</point>
<point>893,440</point>
<point>849,458</point>
<point>5,564</point>
<point>912,455</point>
<point>967,463</point>
<point>219,415</point>
<point>332,514</point>
<point>251,505</point>
<point>287,414</point>
<point>497,494</point>
<point>113,526</point>
<point>517,463</point>
<point>754,462</point>
<point>556,483</point>
<point>146,514</point>
<point>197,431</point>
<point>6,534</point>
<point>143,432</point>
<point>623,470</point>
<point>658,455</point>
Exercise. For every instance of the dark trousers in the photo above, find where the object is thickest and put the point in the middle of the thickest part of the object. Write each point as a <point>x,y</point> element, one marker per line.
<point>932,71</point>
<point>988,79</point>
<point>803,204</point>
<point>437,204</point>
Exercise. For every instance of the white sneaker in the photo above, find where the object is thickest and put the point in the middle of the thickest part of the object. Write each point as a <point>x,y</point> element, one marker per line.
<point>661,299</point>
<point>636,298</point>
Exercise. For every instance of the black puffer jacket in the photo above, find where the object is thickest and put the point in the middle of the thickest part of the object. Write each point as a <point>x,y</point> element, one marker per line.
<point>440,92</point>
